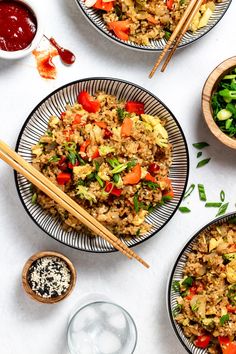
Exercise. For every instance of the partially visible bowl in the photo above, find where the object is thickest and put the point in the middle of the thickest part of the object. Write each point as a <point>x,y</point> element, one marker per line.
<point>11,55</point>
<point>26,270</point>
<point>209,88</point>
<point>36,125</point>
<point>96,19</point>
<point>177,274</point>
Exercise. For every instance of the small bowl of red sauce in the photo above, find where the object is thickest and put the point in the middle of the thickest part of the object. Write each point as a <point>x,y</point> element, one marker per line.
<point>20,28</point>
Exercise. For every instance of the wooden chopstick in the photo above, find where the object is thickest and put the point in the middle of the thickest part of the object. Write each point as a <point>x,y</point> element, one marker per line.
<point>44,184</point>
<point>173,36</point>
<point>182,33</point>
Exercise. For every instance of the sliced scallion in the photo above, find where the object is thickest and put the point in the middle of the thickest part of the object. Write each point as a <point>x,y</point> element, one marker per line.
<point>34,198</point>
<point>222,209</point>
<point>203,162</point>
<point>136,203</point>
<point>222,196</point>
<point>199,154</point>
<point>213,205</point>
<point>200,145</point>
<point>202,193</point>
<point>184,209</point>
<point>100,181</point>
<point>189,191</point>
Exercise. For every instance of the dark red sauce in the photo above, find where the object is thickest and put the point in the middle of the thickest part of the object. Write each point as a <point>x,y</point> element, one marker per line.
<point>66,55</point>
<point>18,25</point>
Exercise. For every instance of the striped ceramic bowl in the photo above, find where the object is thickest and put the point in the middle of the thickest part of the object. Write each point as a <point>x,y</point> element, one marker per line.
<point>177,274</point>
<point>95,18</point>
<point>54,104</point>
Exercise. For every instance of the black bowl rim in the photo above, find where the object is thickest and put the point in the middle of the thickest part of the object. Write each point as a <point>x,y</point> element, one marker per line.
<point>124,44</point>
<point>108,79</point>
<point>169,284</point>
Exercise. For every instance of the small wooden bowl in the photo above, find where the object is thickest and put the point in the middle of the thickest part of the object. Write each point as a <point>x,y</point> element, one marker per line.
<point>209,88</point>
<point>27,287</point>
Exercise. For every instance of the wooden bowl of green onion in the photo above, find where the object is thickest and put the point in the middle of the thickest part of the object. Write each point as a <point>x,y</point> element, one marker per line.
<point>219,102</point>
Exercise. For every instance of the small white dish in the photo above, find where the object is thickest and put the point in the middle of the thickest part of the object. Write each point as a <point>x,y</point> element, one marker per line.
<point>35,9</point>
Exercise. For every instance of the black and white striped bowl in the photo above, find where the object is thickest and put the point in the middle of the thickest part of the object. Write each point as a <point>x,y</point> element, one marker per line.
<point>177,274</point>
<point>95,18</point>
<point>54,104</point>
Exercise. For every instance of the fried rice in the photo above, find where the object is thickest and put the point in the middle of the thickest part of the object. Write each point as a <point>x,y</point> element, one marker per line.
<point>206,307</point>
<point>111,158</point>
<point>141,21</point>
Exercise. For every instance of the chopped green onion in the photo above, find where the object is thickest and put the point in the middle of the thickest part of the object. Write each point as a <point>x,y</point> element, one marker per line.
<point>199,154</point>
<point>100,181</point>
<point>80,182</point>
<point>34,198</point>
<point>213,205</point>
<point>136,203</point>
<point>222,209</point>
<point>91,176</point>
<point>72,156</point>
<point>54,159</point>
<point>81,161</point>
<point>131,164</point>
<point>222,196</point>
<point>202,193</point>
<point>200,145</point>
<point>166,198</point>
<point>188,282</point>
<point>176,286</point>
<point>223,319</point>
<point>97,166</point>
<point>116,178</point>
<point>177,310</point>
<point>150,184</point>
<point>48,133</point>
<point>113,162</point>
<point>203,162</point>
<point>167,35</point>
<point>138,232</point>
<point>184,210</point>
<point>119,168</point>
<point>189,191</point>
<point>121,114</point>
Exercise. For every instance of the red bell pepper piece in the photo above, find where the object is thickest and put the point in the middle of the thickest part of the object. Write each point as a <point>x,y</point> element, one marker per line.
<point>134,107</point>
<point>126,127</point>
<point>84,146</point>
<point>107,133</point>
<point>150,178</point>
<point>231,309</point>
<point>102,125</point>
<point>95,154</point>
<point>116,191</point>
<point>134,176</point>
<point>120,28</point>
<point>105,6</point>
<point>89,104</point>
<point>62,165</point>
<point>153,168</point>
<point>169,4</point>
<point>63,178</point>
<point>109,187</point>
<point>202,341</point>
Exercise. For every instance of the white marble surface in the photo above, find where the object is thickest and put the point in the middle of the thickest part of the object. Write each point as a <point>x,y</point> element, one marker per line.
<point>27,327</point>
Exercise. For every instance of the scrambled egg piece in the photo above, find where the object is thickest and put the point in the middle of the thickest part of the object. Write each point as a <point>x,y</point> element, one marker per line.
<point>159,130</point>
<point>231,271</point>
<point>202,17</point>
<point>82,171</point>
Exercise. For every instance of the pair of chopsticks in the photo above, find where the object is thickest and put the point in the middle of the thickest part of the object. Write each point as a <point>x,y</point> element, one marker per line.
<point>176,37</point>
<point>45,185</point>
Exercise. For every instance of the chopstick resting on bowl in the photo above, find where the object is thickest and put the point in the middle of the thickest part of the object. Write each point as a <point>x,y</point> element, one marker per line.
<point>177,35</point>
<point>45,185</point>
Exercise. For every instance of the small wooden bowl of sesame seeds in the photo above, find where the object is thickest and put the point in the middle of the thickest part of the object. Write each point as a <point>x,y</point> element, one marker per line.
<point>48,277</point>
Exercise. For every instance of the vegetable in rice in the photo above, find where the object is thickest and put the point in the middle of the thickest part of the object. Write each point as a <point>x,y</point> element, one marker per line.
<point>111,158</point>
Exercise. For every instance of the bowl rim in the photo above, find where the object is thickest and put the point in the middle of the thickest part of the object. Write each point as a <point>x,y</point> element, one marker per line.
<point>121,81</point>
<point>207,91</point>
<point>28,289</point>
<point>194,236</point>
<point>143,49</point>
<point>35,9</point>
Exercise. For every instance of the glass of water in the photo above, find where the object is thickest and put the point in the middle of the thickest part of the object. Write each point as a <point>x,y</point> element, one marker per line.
<point>101,327</point>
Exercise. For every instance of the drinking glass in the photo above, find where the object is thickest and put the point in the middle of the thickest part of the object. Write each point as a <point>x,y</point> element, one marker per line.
<point>101,327</point>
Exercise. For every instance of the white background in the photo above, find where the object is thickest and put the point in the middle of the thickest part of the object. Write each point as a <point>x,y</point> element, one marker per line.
<point>27,327</point>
